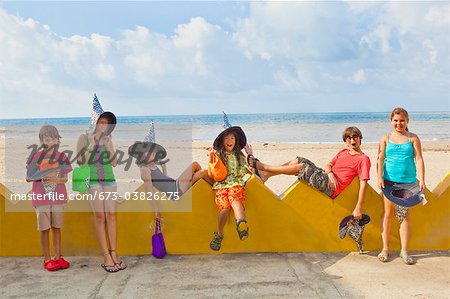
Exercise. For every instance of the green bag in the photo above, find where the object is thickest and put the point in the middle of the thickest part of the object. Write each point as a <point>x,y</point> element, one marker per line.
<point>80,178</point>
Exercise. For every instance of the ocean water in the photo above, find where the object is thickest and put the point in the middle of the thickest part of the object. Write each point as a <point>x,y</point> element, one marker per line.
<point>279,127</point>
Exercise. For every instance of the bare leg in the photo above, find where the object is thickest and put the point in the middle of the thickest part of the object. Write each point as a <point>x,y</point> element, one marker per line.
<point>45,244</point>
<point>202,174</point>
<point>100,226</point>
<point>57,241</point>
<point>111,224</point>
<point>404,238</point>
<point>404,232</point>
<point>241,223</point>
<point>238,209</point>
<point>266,171</point>
<point>185,178</point>
<point>110,217</point>
<point>191,175</point>
<point>292,162</point>
<point>387,219</point>
<point>221,220</point>
<point>283,169</point>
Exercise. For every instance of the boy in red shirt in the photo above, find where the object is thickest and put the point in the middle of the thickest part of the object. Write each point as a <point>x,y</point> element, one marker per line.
<point>336,175</point>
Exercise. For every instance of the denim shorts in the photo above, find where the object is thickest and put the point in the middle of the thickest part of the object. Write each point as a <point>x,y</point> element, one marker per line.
<point>96,184</point>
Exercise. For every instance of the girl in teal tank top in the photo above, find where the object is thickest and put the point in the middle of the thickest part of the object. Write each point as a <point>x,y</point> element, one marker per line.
<point>400,152</point>
<point>399,163</point>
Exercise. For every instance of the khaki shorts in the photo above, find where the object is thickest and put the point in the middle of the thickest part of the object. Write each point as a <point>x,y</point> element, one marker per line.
<point>314,176</point>
<point>49,216</point>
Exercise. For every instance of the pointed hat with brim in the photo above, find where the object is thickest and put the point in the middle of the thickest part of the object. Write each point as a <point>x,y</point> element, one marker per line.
<point>98,112</point>
<point>227,129</point>
<point>140,148</point>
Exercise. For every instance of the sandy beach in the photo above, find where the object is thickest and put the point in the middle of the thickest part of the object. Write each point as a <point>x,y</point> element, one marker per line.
<point>14,152</point>
<point>436,155</point>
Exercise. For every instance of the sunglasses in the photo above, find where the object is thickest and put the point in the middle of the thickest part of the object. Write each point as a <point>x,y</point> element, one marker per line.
<point>354,137</point>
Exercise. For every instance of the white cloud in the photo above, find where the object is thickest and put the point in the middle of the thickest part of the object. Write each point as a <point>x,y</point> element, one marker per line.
<point>428,44</point>
<point>102,44</point>
<point>359,77</point>
<point>320,50</point>
<point>378,39</point>
<point>439,15</point>
<point>297,31</point>
<point>105,71</point>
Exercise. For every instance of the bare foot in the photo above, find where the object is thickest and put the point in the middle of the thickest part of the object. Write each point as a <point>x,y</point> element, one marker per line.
<point>117,262</point>
<point>109,263</point>
<point>264,175</point>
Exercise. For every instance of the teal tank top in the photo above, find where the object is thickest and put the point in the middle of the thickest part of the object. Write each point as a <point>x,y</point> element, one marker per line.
<point>399,165</point>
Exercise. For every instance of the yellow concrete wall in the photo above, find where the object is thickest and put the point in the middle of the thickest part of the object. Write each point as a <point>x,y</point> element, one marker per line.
<point>302,220</point>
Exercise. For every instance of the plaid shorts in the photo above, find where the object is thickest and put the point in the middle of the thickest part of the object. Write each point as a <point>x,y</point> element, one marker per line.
<point>226,196</point>
<point>314,176</point>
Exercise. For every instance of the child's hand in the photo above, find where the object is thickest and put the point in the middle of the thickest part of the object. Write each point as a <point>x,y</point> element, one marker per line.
<point>332,182</point>
<point>51,175</point>
<point>422,185</point>
<point>248,149</point>
<point>106,141</point>
<point>380,184</point>
<point>250,168</point>
<point>163,162</point>
<point>357,213</point>
<point>91,139</point>
<point>209,149</point>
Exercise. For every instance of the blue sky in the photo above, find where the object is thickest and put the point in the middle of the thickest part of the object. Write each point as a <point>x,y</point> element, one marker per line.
<point>152,58</point>
<point>109,18</point>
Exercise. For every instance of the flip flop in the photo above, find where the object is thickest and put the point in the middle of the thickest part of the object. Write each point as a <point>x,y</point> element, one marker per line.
<point>121,265</point>
<point>254,164</point>
<point>383,256</point>
<point>406,258</point>
<point>109,268</point>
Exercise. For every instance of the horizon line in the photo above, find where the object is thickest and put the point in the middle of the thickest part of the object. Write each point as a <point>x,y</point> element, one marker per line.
<point>202,114</point>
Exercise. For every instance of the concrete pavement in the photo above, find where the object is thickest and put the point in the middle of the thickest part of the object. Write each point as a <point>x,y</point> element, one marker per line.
<point>267,275</point>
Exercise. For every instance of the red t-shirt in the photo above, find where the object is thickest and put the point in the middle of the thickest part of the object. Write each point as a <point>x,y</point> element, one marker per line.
<point>60,190</point>
<point>346,167</point>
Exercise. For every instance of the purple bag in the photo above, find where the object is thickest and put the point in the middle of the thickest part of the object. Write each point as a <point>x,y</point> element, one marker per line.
<point>159,247</point>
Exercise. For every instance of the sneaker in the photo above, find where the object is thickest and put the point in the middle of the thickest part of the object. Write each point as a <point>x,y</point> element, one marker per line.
<point>51,265</point>
<point>216,242</point>
<point>63,263</point>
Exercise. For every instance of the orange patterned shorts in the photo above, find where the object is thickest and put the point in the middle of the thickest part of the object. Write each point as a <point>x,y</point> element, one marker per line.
<point>226,196</point>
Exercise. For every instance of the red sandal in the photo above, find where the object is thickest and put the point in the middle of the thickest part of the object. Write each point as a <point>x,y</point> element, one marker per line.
<point>63,263</point>
<point>51,265</point>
